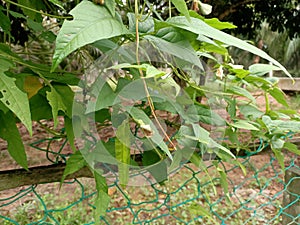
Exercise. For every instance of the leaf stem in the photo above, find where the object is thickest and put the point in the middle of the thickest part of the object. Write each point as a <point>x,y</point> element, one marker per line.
<point>50,131</point>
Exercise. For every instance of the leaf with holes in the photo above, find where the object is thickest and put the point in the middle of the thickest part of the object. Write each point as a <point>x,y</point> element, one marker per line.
<point>12,97</point>
<point>91,23</point>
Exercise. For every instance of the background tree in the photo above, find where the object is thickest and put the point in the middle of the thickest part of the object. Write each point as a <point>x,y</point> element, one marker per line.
<point>248,15</point>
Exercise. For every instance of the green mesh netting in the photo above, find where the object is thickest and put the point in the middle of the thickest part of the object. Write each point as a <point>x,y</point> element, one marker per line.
<point>190,196</point>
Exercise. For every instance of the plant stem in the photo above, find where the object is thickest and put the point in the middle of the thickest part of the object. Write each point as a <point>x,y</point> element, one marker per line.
<point>137,16</point>
<point>170,9</point>
<point>267,102</point>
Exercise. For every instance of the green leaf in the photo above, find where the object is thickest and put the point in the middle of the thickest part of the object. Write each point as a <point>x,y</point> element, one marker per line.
<point>280,126</point>
<point>200,27</point>
<point>17,15</point>
<point>3,108</point>
<point>240,73</point>
<point>280,157</point>
<point>185,137</point>
<point>102,115</point>
<point>169,85</point>
<point>208,116</point>
<point>57,3</point>
<point>196,159</point>
<point>67,96</point>
<point>12,97</point>
<point>223,180</point>
<point>39,106</point>
<point>35,26</point>
<point>251,111</point>
<point>241,91</point>
<point>157,168</point>
<point>232,136</point>
<point>105,45</point>
<point>212,47</point>
<point>122,150</point>
<point>146,23</point>
<point>231,107</point>
<point>291,147</point>
<point>242,166</point>
<point>141,117</point>
<point>182,8</point>
<point>242,124</point>
<point>10,133</point>
<point>181,49</point>
<point>4,22</point>
<point>111,6</point>
<point>215,23</point>
<point>201,134</point>
<point>260,69</point>
<point>57,104</point>
<point>70,132</point>
<point>227,152</point>
<point>59,77</point>
<point>102,199</point>
<point>255,80</point>
<point>74,163</point>
<point>104,95</point>
<point>91,23</point>
<point>151,71</point>
<point>32,4</point>
<point>279,95</point>
<point>197,209</point>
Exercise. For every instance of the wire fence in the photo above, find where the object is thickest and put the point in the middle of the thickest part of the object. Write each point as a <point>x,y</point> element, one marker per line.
<point>190,196</point>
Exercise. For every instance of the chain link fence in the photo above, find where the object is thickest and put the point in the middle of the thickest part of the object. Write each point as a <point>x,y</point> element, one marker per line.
<point>190,196</point>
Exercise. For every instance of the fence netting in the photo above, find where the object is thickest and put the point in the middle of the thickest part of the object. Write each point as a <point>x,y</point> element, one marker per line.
<point>189,196</point>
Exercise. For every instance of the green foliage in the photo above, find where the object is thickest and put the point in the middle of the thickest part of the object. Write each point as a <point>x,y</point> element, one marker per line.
<point>147,84</point>
<point>75,163</point>
<point>92,23</point>
<point>10,95</point>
